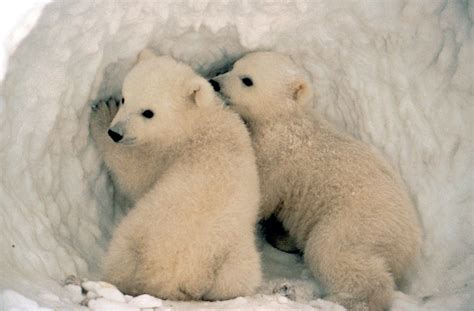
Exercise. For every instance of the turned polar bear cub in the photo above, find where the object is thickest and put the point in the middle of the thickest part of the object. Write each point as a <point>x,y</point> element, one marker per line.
<point>191,234</point>
<point>343,204</point>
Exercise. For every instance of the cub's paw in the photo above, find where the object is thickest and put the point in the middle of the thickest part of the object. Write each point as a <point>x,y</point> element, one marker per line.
<point>102,114</point>
<point>105,110</point>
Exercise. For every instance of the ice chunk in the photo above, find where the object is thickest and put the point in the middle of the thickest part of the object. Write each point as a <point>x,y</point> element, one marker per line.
<point>103,304</point>
<point>11,300</point>
<point>321,304</point>
<point>103,289</point>
<point>282,299</point>
<point>145,301</point>
<point>75,292</point>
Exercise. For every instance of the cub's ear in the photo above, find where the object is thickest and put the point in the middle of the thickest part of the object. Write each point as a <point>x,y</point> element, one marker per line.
<point>202,94</point>
<point>301,92</point>
<point>145,54</point>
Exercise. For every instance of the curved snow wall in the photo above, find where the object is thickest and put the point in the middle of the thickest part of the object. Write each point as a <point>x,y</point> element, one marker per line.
<point>395,74</point>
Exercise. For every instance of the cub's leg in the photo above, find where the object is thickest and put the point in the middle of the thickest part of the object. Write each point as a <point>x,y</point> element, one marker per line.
<point>239,273</point>
<point>102,114</point>
<point>123,257</point>
<point>129,166</point>
<point>354,277</point>
<point>147,255</point>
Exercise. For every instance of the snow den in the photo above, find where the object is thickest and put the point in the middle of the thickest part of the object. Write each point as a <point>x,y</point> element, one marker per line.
<point>396,74</point>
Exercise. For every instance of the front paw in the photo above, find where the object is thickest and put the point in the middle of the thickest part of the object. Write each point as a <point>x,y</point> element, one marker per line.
<point>105,110</point>
<point>102,114</point>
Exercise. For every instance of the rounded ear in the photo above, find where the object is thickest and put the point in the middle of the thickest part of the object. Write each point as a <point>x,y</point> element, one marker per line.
<point>202,94</point>
<point>301,92</point>
<point>145,54</point>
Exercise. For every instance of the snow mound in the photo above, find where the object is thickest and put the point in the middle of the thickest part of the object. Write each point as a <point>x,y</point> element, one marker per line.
<point>395,74</point>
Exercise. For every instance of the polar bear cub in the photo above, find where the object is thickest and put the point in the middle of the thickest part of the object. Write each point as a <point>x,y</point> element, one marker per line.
<point>344,206</point>
<point>190,236</point>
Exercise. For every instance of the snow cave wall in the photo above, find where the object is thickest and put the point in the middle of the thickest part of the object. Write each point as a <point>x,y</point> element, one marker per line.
<point>396,74</point>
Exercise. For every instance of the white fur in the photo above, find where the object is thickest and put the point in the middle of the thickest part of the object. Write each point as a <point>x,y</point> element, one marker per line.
<point>340,200</point>
<point>190,172</point>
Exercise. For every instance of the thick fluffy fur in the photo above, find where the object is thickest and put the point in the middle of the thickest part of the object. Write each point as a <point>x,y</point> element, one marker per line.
<point>342,203</point>
<point>133,170</point>
<point>190,171</point>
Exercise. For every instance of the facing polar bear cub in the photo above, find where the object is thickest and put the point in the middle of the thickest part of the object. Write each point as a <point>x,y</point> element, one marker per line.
<point>191,234</point>
<point>341,202</point>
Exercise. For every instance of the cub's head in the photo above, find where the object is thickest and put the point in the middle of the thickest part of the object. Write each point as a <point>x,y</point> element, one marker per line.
<point>159,94</point>
<point>264,85</point>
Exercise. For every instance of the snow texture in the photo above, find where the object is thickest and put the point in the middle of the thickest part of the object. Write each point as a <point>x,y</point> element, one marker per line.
<point>396,74</point>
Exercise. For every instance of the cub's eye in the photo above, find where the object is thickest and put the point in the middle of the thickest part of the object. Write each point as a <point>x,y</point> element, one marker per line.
<point>148,114</point>
<point>123,100</point>
<point>247,81</point>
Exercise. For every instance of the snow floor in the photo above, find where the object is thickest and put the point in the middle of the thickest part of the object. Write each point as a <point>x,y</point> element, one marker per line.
<point>397,74</point>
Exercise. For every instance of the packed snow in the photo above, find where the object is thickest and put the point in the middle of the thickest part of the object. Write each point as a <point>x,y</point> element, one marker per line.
<point>396,74</point>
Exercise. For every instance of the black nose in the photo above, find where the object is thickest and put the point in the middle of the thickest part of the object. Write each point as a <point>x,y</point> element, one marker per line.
<point>215,85</point>
<point>116,137</point>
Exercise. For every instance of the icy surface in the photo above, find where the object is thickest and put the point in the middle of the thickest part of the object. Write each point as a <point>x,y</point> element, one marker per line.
<point>16,20</point>
<point>11,300</point>
<point>145,301</point>
<point>396,74</point>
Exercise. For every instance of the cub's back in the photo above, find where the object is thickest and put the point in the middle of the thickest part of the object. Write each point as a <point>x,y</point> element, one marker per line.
<point>221,149</point>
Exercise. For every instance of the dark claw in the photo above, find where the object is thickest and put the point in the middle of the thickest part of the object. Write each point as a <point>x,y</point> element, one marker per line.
<point>95,106</point>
